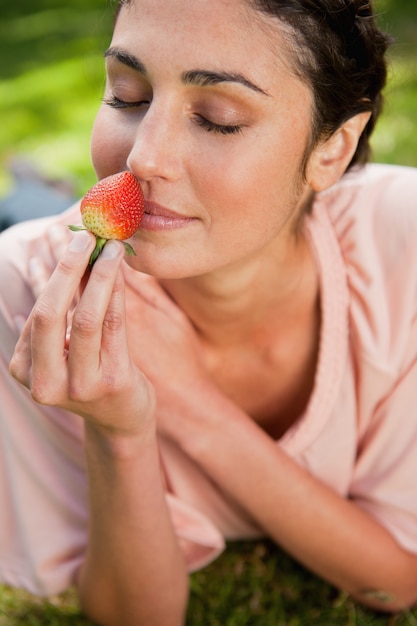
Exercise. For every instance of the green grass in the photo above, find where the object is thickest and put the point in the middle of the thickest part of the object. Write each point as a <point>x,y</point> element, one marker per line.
<point>256,584</point>
<point>251,584</point>
<point>50,87</point>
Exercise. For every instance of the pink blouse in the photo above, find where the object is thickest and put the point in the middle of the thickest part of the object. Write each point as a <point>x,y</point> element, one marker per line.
<point>358,434</point>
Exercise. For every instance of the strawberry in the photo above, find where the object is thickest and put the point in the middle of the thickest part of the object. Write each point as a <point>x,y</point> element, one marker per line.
<point>112,209</point>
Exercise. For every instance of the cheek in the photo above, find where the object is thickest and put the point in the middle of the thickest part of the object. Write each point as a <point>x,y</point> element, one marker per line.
<point>108,146</point>
<point>264,174</point>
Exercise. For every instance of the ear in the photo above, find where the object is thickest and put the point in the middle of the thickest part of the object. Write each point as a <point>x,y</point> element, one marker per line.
<point>329,159</point>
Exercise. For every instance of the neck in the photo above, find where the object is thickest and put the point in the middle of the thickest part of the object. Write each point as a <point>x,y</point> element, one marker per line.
<point>229,305</point>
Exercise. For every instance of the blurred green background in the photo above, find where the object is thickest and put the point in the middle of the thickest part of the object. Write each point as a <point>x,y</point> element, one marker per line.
<point>51,81</point>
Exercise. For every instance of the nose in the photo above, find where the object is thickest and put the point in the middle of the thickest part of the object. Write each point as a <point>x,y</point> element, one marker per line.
<point>155,150</point>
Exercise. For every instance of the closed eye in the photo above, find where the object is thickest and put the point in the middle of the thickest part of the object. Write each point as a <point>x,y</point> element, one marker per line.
<point>223,129</point>
<point>116,103</point>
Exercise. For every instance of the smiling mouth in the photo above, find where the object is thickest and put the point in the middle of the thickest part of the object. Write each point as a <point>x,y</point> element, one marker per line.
<point>157,217</point>
<point>152,208</point>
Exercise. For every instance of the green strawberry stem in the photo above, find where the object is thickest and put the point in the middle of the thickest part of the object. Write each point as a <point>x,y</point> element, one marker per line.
<point>100,243</point>
<point>76,228</point>
<point>128,249</point>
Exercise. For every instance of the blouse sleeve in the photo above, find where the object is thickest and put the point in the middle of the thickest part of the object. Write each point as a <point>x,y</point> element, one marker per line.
<point>379,244</point>
<point>43,483</point>
<point>385,477</point>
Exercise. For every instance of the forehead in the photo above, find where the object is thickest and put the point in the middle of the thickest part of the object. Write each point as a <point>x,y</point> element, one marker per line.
<point>222,13</point>
<point>218,32</point>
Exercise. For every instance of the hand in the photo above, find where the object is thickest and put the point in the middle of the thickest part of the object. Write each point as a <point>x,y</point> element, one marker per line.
<point>93,374</point>
<point>166,347</point>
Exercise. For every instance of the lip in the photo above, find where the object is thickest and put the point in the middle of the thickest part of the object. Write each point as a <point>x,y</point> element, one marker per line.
<point>158,217</point>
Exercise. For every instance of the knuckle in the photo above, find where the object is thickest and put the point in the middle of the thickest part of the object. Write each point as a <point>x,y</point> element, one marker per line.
<point>101,272</point>
<point>85,322</point>
<point>38,395</point>
<point>113,321</point>
<point>78,393</point>
<point>44,315</point>
<point>65,266</point>
<point>16,369</point>
<point>43,392</point>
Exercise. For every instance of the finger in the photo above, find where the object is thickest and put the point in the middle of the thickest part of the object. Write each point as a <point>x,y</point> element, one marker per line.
<point>95,316</point>
<point>38,278</point>
<point>38,275</point>
<point>114,334</point>
<point>49,316</point>
<point>59,237</point>
<point>20,365</point>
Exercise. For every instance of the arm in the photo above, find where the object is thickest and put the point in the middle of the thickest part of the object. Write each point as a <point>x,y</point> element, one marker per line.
<point>134,571</point>
<point>327,533</point>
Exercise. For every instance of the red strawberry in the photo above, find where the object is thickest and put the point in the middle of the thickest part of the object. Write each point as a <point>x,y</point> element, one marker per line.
<point>112,209</point>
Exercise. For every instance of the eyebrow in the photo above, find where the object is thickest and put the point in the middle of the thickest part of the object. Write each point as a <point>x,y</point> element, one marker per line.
<point>127,59</point>
<point>201,78</point>
<point>204,78</point>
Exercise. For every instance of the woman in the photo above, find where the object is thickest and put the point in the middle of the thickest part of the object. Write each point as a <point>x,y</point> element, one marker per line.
<point>252,371</point>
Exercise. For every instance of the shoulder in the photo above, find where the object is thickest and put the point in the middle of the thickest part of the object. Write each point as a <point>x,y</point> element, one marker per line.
<point>373,213</point>
<point>380,194</point>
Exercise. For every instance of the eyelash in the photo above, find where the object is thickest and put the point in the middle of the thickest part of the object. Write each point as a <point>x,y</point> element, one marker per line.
<point>222,129</point>
<point>211,127</point>
<point>116,103</point>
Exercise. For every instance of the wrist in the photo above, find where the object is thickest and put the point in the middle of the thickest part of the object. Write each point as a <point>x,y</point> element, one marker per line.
<point>124,427</point>
<point>119,444</point>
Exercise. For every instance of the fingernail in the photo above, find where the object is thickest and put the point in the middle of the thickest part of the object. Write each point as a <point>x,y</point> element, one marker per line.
<point>110,250</point>
<point>80,242</point>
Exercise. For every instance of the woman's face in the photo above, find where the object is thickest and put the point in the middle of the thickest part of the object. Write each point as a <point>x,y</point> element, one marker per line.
<point>202,107</point>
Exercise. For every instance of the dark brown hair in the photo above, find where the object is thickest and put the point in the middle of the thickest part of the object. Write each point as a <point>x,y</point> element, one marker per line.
<point>341,54</point>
